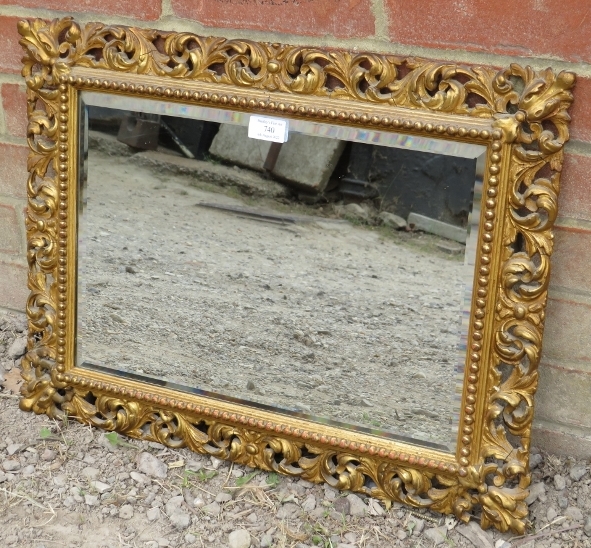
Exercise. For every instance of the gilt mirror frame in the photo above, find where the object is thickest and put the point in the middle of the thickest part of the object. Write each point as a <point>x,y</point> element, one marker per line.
<point>517,113</point>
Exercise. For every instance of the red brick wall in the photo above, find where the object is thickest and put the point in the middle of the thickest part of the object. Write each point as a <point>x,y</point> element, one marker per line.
<point>540,32</point>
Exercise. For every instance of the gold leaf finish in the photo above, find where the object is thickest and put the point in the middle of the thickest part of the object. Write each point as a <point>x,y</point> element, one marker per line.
<point>519,114</point>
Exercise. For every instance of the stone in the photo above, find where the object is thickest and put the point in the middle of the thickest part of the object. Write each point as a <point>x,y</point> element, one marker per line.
<point>90,473</point>
<point>139,478</point>
<point>563,503</point>
<point>14,448</point>
<point>375,508</point>
<point>356,211</point>
<point>126,511</point>
<point>535,460</point>
<point>190,538</point>
<point>288,511</point>
<point>174,504</point>
<point>587,526</point>
<point>577,472</point>
<point>91,500</point>
<point>433,226</point>
<point>223,497</point>
<point>551,514</point>
<point>17,349</point>
<point>180,520</point>
<point>574,513</point>
<point>212,509</point>
<point>11,465</point>
<point>437,534</point>
<point>232,144</point>
<point>309,503</point>
<point>100,487</point>
<point>239,539</point>
<point>48,455</point>
<point>153,514</point>
<point>559,482</point>
<point>451,248</point>
<point>266,541</point>
<point>392,220</point>
<point>342,505</point>
<point>356,506</point>
<point>535,491</point>
<point>151,466</point>
<point>475,535</point>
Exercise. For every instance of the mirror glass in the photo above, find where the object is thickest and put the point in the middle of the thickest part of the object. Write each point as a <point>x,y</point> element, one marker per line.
<point>329,276</point>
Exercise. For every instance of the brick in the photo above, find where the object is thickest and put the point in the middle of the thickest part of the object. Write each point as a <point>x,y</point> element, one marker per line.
<point>11,51</point>
<point>575,187</point>
<point>580,111</point>
<point>14,103</point>
<point>13,286</point>
<point>531,28</point>
<point>571,262</point>
<point>10,231</point>
<point>559,385</point>
<point>146,10</point>
<point>566,334</point>
<point>560,439</point>
<point>340,18</point>
<point>13,170</point>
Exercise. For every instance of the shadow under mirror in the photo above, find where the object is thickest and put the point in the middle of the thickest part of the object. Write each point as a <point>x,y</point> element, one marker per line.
<point>329,276</point>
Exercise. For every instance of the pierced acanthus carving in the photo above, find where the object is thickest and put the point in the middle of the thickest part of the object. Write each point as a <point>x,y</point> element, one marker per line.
<point>528,117</point>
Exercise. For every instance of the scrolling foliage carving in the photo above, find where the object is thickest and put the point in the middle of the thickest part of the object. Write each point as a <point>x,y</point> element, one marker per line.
<point>525,112</point>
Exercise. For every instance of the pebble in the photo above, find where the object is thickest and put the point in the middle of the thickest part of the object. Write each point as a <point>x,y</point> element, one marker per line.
<point>577,472</point>
<point>14,448</point>
<point>90,473</point>
<point>356,506</point>
<point>535,460</point>
<point>18,348</point>
<point>126,511</point>
<point>559,482</point>
<point>223,497</point>
<point>574,513</point>
<point>212,509</point>
<point>100,487</point>
<point>535,491</point>
<point>48,455</point>
<point>266,541</point>
<point>342,505</point>
<point>91,500</point>
<point>190,538</point>
<point>551,514</point>
<point>139,478</point>
<point>180,520</point>
<point>11,465</point>
<point>587,526</point>
<point>151,465</point>
<point>437,534</point>
<point>392,220</point>
<point>239,539</point>
<point>153,514</point>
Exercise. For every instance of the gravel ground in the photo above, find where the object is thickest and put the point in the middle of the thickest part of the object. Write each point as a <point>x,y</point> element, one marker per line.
<point>67,485</point>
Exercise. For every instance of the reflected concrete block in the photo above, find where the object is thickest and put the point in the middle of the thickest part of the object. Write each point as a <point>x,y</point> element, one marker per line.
<point>305,162</point>
<point>433,226</point>
<point>232,145</point>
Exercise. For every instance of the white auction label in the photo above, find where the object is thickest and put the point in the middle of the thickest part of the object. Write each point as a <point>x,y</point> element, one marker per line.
<point>268,129</point>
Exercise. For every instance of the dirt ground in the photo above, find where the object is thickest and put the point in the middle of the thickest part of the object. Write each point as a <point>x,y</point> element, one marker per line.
<point>310,314</point>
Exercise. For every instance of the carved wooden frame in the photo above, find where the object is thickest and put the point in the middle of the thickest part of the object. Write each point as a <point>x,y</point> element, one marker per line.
<point>518,113</point>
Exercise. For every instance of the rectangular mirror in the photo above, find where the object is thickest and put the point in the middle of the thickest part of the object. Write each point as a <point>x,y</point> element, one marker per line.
<point>361,304</point>
<point>218,278</point>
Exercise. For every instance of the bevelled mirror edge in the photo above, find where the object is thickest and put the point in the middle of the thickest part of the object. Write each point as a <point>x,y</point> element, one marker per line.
<point>519,113</point>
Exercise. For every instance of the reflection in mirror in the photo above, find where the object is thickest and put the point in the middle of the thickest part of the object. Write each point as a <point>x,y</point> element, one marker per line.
<point>329,276</point>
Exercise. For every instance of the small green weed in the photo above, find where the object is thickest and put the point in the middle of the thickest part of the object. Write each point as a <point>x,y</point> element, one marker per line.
<point>117,441</point>
<point>245,479</point>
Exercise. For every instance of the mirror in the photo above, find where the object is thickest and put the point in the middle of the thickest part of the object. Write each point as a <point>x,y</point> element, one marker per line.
<point>296,286</point>
<point>361,305</point>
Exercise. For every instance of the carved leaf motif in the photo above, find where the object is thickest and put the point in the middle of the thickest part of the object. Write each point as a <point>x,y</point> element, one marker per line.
<point>504,508</point>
